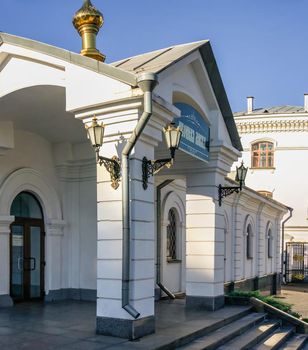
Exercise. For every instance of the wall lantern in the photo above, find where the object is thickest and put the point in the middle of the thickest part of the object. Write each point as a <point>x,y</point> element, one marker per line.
<point>96,136</point>
<point>173,136</point>
<point>241,173</point>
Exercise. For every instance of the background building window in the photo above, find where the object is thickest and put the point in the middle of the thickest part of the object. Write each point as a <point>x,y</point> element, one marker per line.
<point>262,155</point>
<point>172,236</point>
<point>249,242</point>
<point>269,244</point>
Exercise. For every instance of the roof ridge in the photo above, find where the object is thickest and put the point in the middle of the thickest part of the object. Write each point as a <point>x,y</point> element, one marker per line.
<point>165,49</point>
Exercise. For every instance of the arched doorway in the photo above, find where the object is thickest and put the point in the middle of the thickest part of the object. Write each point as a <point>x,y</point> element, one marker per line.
<point>27,258</point>
<point>173,237</point>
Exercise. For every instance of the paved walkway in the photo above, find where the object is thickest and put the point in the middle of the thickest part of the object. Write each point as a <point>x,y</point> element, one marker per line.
<point>297,295</point>
<point>70,325</point>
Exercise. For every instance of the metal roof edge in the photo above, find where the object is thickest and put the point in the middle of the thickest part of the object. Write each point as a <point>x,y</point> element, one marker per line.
<point>258,194</point>
<point>220,93</point>
<point>202,42</point>
<point>71,57</point>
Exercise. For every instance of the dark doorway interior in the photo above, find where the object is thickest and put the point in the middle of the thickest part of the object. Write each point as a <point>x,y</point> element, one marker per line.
<point>27,249</point>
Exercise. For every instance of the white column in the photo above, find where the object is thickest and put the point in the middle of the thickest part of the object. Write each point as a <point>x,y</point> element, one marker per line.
<point>205,244</point>
<point>112,319</point>
<point>5,299</point>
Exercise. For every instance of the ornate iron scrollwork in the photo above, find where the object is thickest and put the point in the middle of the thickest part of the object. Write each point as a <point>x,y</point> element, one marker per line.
<point>151,167</point>
<point>226,191</point>
<point>114,169</point>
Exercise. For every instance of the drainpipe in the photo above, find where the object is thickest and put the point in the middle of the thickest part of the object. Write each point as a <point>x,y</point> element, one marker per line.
<point>147,83</point>
<point>282,243</point>
<point>158,230</point>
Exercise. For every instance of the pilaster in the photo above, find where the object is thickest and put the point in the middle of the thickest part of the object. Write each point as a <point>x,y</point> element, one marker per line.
<point>5,222</point>
<point>205,244</point>
<point>54,258</point>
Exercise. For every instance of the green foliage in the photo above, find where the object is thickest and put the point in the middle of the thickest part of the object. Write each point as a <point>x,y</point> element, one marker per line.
<point>266,299</point>
<point>241,293</point>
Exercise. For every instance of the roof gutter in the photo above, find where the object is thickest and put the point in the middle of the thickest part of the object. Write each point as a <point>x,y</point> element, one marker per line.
<point>282,243</point>
<point>147,83</point>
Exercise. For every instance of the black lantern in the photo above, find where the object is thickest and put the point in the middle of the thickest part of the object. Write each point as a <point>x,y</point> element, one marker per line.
<point>241,173</point>
<point>240,177</point>
<point>173,136</point>
<point>96,136</point>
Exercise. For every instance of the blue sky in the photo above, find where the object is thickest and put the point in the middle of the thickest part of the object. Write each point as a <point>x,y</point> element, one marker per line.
<point>261,46</point>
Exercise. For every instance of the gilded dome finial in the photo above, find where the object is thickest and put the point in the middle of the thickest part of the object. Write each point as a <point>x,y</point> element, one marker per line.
<point>88,21</point>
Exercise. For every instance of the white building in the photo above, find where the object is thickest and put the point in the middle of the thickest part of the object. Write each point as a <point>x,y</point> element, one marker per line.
<point>275,148</point>
<point>65,232</point>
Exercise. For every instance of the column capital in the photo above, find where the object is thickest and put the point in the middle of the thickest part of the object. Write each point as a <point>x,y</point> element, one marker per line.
<point>5,222</point>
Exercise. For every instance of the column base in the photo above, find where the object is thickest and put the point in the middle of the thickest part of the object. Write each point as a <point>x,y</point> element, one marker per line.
<point>128,329</point>
<point>71,294</point>
<point>205,303</point>
<point>6,301</point>
<point>157,294</point>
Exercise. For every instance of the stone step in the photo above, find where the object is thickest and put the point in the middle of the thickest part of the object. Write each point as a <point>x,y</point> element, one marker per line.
<point>219,337</point>
<point>297,342</point>
<point>275,340</point>
<point>193,330</point>
<point>252,336</point>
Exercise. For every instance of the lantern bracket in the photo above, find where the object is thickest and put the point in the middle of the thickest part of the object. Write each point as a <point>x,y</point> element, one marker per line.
<point>226,191</point>
<point>113,166</point>
<point>241,173</point>
<point>152,167</point>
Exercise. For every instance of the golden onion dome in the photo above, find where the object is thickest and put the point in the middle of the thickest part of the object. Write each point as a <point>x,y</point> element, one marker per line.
<point>88,20</point>
<point>88,15</point>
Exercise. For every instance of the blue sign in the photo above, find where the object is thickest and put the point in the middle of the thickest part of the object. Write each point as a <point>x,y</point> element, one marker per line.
<point>195,132</point>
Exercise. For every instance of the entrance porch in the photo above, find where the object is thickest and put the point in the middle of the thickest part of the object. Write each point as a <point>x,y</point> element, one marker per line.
<point>71,325</point>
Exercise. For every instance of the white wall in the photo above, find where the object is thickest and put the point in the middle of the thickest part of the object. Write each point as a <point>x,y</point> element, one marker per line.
<point>287,180</point>
<point>243,209</point>
<point>35,152</point>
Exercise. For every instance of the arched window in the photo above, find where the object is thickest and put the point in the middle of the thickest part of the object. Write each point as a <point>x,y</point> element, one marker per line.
<point>262,154</point>
<point>172,229</point>
<point>269,244</point>
<point>249,242</point>
<point>25,205</point>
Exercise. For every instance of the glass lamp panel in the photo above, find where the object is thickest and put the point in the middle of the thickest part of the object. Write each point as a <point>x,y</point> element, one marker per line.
<point>179,136</point>
<point>91,135</point>
<point>99,134</point>
<point>240,173</point>
<point>168,137</point>
<point>173,137</point>
<point>244,174</point>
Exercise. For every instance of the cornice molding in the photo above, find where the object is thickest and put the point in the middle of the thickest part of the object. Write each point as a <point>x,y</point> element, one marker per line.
<point>250,127</point>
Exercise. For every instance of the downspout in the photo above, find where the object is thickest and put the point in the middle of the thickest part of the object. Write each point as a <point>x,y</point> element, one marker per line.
<point>158,231</point>
<point>282,243</point>
<point>147,83</point>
